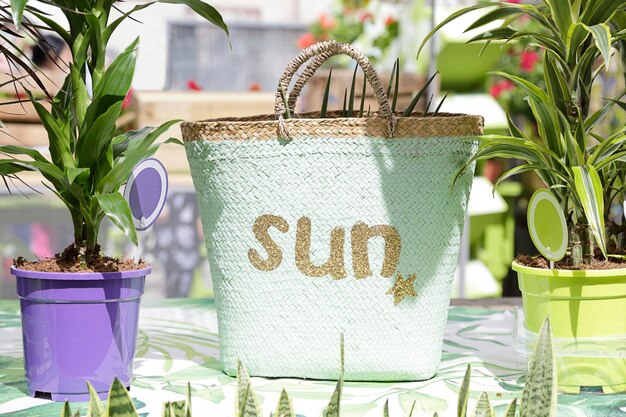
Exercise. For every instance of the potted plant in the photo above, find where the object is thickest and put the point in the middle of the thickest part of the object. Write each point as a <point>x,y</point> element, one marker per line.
<point>585,293</point>
<point>80,309</point>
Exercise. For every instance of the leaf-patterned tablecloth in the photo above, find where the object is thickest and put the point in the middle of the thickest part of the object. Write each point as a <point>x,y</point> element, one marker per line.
<point>178,342</point>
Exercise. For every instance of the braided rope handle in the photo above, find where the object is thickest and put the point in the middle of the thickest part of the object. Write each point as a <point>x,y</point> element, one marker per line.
<point>321,52</point>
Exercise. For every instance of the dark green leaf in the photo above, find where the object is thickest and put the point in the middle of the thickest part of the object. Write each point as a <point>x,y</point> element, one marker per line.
<point>326,95</point>
<point>116,208</point>
<point>352,92</point>
<point>409,110</point>
<point>204,10</point>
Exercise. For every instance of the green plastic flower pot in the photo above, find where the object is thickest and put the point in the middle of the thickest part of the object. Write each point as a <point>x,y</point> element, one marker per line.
<point>582,306</point>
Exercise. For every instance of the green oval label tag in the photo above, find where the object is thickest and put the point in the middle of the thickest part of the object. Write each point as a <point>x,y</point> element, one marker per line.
<point>547,225</point>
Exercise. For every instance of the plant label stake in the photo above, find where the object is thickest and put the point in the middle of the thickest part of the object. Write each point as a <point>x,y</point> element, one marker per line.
<point>547,225</point>
<point>146,191</point>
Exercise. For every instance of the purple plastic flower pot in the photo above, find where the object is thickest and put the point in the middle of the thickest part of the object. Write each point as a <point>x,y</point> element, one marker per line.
<point>78,327</point>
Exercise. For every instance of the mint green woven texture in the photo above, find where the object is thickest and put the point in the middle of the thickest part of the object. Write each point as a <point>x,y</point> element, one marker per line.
<point>282,322</point>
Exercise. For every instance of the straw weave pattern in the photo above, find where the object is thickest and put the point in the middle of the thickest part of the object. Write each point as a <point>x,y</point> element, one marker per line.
<point>336,172</point>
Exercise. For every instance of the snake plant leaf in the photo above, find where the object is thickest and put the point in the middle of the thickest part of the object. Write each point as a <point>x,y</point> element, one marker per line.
<point>284,408</point>
<point>602,36</point>
<point>326,95</point>
<point>174,409</point>
<point>511,409</point>
<point>352,92</point>
<point>590,192</point>
<point>413,408</point>
<point>539,395</point>
<point>204,10</point>
<point>119,403</point>
<point>94,408</point>
<point>116,208</point>
<point>363,91</point>
<point>17,11</point>
<point>409,110</point>
<point>386,408</point>
<point>333,409</point>
<point>483,407</point>
<point>188,402</point>
<point>391,78</point>
<point>249,406</point>
<point>443,99</point>
<point>461,409</point>
<point>66,411</point>
<point>396,86</point>
<point>243,386</point>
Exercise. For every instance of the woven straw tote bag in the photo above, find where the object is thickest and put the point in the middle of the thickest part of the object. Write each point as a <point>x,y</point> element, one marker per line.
<point>321,227</point>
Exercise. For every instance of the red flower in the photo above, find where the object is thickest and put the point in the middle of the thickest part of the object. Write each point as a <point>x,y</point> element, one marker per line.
<point>326,23</point>
<point>128,99</point>
<point>306,40</point>
<point>513,1</point>
<point>495,91</point>
<point>528,60</point>
<point>390,21</point>
<point>498,88</point>
<point>193,85</point>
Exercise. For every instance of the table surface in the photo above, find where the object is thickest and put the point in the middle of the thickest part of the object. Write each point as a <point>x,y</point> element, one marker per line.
<point>178,342</point>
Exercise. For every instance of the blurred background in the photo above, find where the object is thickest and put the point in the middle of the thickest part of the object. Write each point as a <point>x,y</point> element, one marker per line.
<point>187,70</point>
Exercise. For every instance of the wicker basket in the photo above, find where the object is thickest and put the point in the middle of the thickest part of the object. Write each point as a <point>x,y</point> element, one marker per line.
<point>317,227</point>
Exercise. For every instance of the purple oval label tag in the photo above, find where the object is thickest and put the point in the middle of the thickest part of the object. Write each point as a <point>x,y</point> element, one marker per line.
<point>146,191</point>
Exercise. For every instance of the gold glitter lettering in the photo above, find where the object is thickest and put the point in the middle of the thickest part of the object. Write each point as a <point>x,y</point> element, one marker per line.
<point>360,236</point>
<point>274,253</point>
<point>335,264</point>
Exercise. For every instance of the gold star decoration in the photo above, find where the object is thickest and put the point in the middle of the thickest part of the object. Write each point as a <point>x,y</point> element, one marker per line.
<point>403,288</point>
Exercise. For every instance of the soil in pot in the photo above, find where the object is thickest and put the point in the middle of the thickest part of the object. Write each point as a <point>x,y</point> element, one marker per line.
<point>76,259</point>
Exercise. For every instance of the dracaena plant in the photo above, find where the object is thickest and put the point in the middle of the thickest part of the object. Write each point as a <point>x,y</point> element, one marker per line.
<point>578,39</point>
<point>88,162</point>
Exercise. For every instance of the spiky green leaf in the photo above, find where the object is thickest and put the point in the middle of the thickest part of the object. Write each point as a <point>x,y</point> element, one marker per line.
<point>483,407</point>
<point>461,409</point>
<point>95,408</point>
<point>119,403</point>
<point>284,408</point>
<point>539,395</point>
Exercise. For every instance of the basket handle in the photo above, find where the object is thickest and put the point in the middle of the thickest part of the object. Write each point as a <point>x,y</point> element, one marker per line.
<point>322,51</point>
